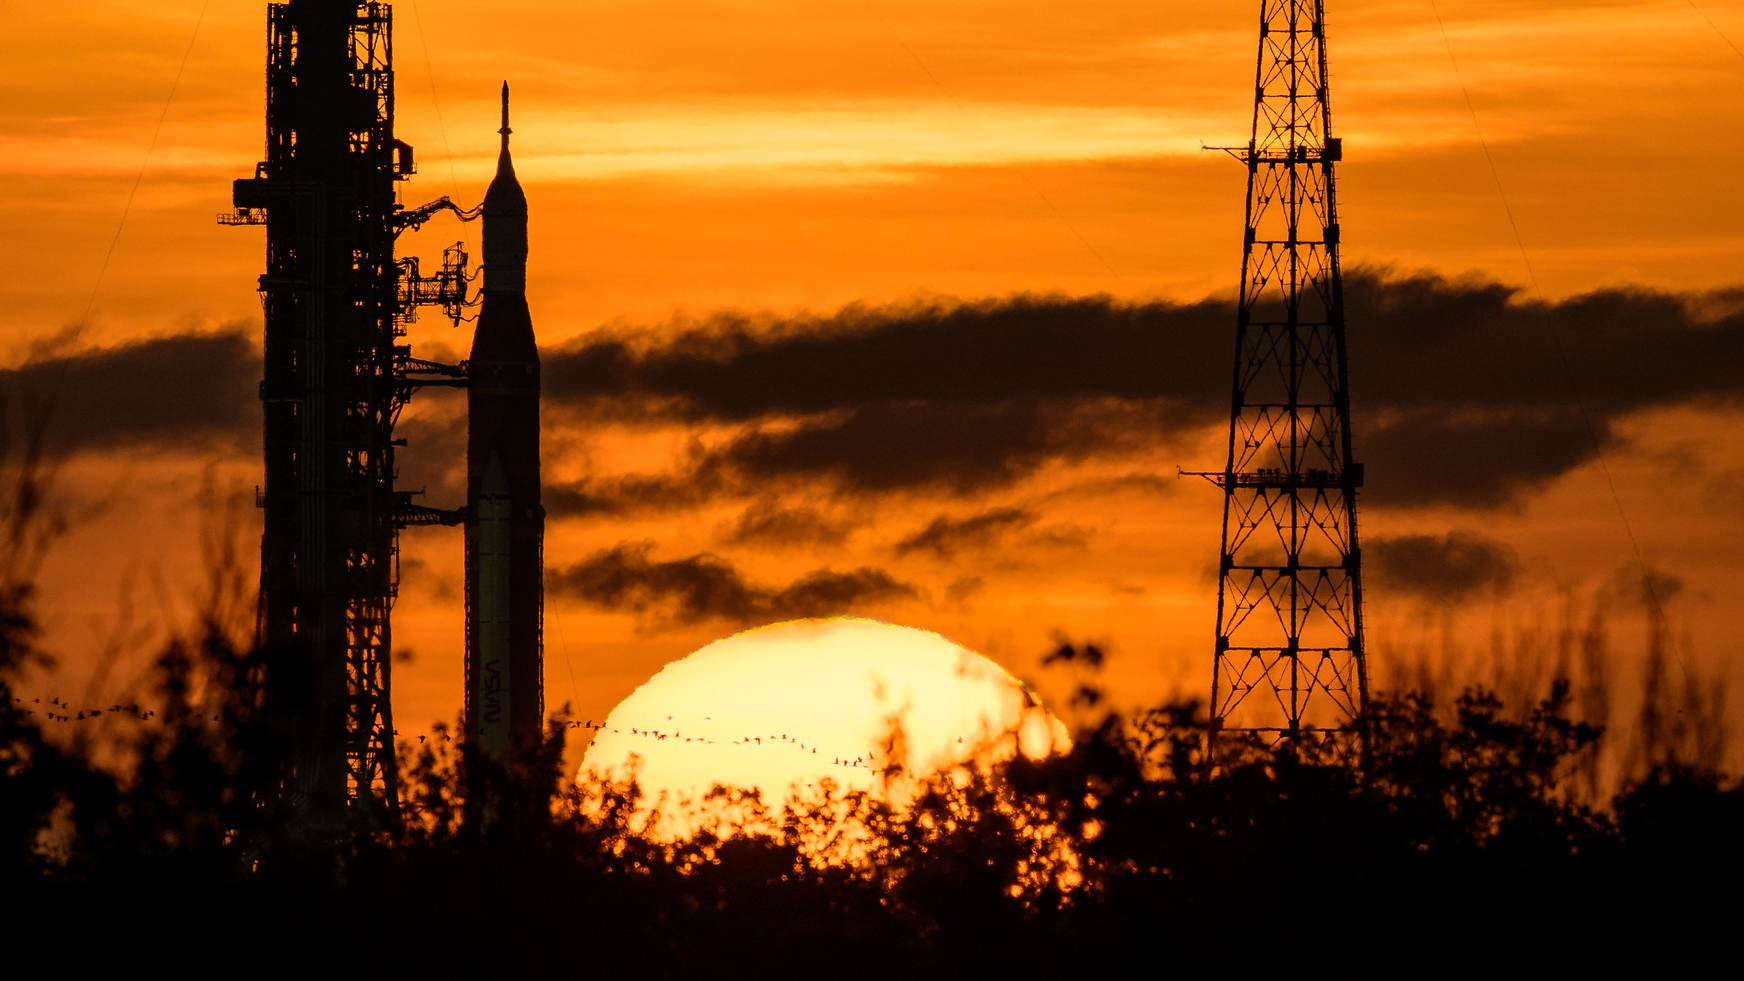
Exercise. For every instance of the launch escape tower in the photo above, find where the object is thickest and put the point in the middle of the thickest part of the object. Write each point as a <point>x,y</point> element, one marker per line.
<point>1289,655</point>
<point>336,378</point>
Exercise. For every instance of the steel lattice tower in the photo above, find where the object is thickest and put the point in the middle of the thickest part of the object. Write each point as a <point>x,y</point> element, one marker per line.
<point>336,378</point>
<point>1289,605</point>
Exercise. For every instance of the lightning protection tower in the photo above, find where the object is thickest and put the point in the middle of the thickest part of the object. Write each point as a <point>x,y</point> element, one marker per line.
<point>336,377</point>
<point>1289,655</point>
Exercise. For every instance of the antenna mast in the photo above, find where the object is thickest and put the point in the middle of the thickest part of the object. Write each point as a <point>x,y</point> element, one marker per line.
<point>1290,655</point>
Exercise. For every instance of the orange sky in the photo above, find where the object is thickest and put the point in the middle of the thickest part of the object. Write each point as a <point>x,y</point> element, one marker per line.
<point>684,157</point>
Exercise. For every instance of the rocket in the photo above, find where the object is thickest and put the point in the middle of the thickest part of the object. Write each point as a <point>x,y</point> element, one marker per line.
<point>505,527</point>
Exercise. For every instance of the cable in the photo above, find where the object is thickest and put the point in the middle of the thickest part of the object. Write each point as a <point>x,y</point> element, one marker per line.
<point>127,209</point>
<point>1716,27</point>
<point>1556,339</point>
<point>430,67</point>
<point>563,645</point>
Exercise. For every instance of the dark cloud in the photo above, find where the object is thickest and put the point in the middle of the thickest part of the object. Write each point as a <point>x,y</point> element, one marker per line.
<point>1467,395</point>
<point>199,392</point>
<point>706,587</point>
<point>419,573</point>
<point>1035,348</point>
<point>959,447</point>
<point>698,481</point>
<point>767,522</point>
<point>896,446</point>
<point>950,397</point>
<point>946,536</point>
<point>877,449</point>
<point>1463,393</point>
<point>433,460</point>
<point>194,391</point>
<point>963,588</point>
<point>1423,341</point>
<point>1448,569</point>
<point>1472,459</point>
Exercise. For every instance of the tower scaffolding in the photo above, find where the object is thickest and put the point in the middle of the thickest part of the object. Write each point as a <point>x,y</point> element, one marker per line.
<point>1289,651</point>
<point>336,378</point>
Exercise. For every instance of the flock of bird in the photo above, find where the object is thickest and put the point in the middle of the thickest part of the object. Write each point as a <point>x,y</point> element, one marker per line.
<point>80,715</point>
<point>863,761</point>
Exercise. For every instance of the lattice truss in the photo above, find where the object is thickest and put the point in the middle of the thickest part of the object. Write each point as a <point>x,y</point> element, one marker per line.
<point>332,393</point>
<point>337,376</point>
<point>373,407</point>
<point>1289,636</point>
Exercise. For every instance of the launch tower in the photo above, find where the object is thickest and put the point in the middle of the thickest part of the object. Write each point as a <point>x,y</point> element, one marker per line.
<point>336,379</point>
<point>1289,654</point>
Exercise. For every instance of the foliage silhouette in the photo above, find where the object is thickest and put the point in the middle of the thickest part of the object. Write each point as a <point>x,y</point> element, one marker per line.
<point>1431,839</point>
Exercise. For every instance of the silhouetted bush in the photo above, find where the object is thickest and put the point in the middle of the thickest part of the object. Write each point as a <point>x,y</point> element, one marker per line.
<point>1428,840</point>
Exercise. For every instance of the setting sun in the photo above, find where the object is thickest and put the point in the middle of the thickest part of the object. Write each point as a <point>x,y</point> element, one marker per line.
<point>790,704</point>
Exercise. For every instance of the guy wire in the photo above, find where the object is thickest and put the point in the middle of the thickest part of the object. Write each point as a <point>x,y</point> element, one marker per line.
<point>127,209</point>
<point>1647,583</point>
<point>441,127</point>
<point>1703,15</point>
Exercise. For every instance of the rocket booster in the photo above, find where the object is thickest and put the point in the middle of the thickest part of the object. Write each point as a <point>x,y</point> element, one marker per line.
<point>505,529</point>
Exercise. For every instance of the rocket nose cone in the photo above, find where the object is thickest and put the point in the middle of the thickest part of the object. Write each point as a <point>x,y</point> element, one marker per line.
<point>504,197</point>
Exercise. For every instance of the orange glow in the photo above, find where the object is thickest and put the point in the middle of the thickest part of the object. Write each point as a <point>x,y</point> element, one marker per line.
<point>683,158</point>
